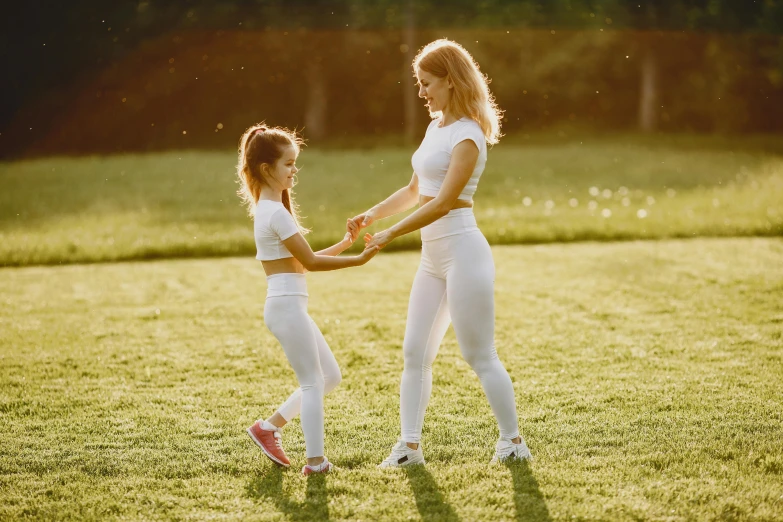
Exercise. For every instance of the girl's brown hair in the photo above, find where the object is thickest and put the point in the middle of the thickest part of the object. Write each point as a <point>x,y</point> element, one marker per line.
<point>261,145</point>
<point>471,95</point>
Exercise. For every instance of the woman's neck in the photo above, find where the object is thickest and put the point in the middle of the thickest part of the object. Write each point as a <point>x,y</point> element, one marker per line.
<point>449,117</point>
<point>271,194</point>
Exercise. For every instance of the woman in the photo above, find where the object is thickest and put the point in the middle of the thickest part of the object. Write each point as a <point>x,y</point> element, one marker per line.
<point>266,170</point>
<point>455,279</point>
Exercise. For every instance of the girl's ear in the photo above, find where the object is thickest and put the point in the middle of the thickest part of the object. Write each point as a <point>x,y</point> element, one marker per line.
<point>448,82</point>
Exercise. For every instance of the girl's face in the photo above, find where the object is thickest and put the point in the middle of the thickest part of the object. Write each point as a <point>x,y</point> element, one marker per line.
<point>436,91</point>
<point>284,169</point>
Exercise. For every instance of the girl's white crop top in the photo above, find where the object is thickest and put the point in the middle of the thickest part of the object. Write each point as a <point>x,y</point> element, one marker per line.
<point>431,160</point>
<point>272,224</point>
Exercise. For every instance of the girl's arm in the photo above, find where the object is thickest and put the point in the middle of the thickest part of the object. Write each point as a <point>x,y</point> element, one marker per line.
<point>344,244</point>
<point>402,200</point>
<point>313,262</point>
<point>463,161</point>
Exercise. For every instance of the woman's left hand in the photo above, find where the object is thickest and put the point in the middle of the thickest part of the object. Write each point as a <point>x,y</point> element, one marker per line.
<point>379,239</point>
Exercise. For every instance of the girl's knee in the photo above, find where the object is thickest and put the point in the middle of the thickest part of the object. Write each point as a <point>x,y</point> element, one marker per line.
<point>332,380</point>
<point>316,382</point>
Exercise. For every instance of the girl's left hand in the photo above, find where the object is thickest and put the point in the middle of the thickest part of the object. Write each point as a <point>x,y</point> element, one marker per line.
<point>353,232</point>
<point>380,239</point>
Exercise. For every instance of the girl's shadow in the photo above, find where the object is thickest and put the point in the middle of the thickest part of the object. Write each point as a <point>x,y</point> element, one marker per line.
<point>270,486</point>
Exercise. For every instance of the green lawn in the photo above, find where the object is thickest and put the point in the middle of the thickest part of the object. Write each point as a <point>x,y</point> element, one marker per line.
<point>647,373</point>
<point>183,204</point>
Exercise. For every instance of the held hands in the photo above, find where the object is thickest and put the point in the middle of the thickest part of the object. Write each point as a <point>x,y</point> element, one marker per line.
<point>379,240</point>
<point>368,254</point>
<point>352,232</point>
<point>363,220</point>
<point>353,226</point>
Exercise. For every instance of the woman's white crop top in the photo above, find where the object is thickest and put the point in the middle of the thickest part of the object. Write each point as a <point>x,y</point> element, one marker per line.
<point>272,224</point>
<point>431,160</point>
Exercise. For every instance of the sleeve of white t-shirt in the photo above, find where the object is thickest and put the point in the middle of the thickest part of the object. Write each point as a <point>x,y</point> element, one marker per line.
<point>282,223</point>
<point>468,131</point>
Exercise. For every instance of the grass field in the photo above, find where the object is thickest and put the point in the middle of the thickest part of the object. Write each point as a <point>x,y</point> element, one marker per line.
<point>647,377</point>
<point>183,204</point>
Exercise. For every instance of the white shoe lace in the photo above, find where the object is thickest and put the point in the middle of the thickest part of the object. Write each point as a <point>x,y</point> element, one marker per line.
<point>278,439</point>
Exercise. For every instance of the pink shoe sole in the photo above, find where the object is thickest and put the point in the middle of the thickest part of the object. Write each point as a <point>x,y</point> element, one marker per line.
<point>307,470</point>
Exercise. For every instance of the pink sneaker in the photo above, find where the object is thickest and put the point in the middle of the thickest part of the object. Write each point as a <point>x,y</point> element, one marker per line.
<point>323,467</point>
<point>270,442</point>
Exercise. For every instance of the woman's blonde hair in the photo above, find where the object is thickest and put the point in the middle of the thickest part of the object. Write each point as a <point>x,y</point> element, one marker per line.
<point>261,145</point>
<point>470,95</point>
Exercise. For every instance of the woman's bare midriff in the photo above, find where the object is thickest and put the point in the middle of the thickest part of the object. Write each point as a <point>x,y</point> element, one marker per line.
<point>287,265</point>
<point>460,203</point>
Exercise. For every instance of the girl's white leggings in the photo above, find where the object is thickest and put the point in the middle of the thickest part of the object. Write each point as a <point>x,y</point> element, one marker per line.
<point>306,349</point>
<point>454,283</point>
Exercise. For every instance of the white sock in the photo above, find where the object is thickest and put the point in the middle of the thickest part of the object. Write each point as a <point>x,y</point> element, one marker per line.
<point>266,425</point>
<point>319,467</point>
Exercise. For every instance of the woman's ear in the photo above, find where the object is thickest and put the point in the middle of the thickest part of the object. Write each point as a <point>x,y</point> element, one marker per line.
<point>448,82</point>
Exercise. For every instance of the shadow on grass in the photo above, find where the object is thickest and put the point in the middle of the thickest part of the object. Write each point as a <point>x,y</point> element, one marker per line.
<point>429,500</point>
<point>528,500</point>
<point>269,485</point>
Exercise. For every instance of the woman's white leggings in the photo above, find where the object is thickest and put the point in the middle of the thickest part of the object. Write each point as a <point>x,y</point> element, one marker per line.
<point>306,349</point>
<point>454,283</point>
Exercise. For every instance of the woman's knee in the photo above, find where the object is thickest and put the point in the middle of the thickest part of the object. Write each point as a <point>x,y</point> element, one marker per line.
<point>414,355</point>
<point>480,359</point>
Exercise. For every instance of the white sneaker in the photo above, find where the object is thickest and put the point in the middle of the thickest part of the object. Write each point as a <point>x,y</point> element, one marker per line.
<point>505,451</point>
<point>323,467</point>
<point>402,455</point>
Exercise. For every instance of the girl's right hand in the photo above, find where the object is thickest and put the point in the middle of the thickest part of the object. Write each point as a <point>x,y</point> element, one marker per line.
<point>367,254</point>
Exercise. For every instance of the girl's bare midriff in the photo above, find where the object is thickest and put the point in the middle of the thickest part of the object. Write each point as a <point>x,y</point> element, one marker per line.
<point>460,203</point>
<point>287,265</point>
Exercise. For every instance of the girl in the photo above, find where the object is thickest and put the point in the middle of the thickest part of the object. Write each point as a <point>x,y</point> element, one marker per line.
<point>456,276</point>
<point>267,165</point>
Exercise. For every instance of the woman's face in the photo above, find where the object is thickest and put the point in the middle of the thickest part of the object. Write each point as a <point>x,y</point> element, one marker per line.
<point>284,169</point>
<point>436,91</point>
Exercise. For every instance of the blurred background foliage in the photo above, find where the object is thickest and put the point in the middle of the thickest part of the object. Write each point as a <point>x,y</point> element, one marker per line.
<point>132,76</point>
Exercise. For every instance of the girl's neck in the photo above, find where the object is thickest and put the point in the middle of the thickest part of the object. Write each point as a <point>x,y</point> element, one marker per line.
<point>271,194</point>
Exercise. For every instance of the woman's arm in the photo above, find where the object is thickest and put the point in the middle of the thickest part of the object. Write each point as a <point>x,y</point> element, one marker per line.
<point>463,161</point>
<point>402,200</point>
<point>313,262</point>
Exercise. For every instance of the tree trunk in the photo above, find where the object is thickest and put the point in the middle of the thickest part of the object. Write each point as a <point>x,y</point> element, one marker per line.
<point>409,92</point>
<point>315,114</point>
<point>648,92</point>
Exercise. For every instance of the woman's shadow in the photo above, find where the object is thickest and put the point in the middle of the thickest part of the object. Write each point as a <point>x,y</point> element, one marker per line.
<point>528,500</point>
<point>429,500</point>
<point>270,486</point>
